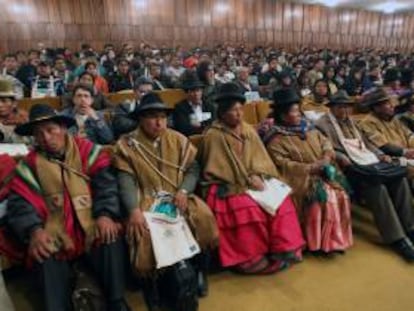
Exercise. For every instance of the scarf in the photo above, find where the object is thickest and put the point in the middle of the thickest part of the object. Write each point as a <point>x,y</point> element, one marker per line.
<point>300,130</point>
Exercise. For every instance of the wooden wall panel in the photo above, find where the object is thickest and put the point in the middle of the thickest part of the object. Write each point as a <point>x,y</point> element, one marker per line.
<point>25,23</point>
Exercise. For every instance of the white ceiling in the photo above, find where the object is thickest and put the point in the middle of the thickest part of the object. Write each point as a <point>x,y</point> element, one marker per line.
<point>386,6</point>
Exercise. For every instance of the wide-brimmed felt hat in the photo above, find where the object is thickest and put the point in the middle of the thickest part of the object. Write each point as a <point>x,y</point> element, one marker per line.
<point>191,82</point>
<point>41,113</point>
<point>230,91</point>
<point>285,97</point>
<point>151,102</point>
<point>375,97</point>
<point>340,98</point>
<point>6,89</point>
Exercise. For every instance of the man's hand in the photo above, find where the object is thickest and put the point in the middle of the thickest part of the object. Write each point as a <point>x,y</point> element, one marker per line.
<point>41,245</point>
<point>181,200</point>
<point>106,229</point>
<point>256,183</point>
<point>385,158</point>
<point>137,225</point>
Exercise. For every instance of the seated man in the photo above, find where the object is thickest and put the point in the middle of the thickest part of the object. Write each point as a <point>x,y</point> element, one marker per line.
<point>10,116</point>
<point>191,116</point>
<point>154,160</point>
<point>124,120</point>
<point>385,131</point>
<point>63,207</point>
<point>44,84</point>
<point>90,123</point>
<point>389,199</point>
<point>100,101</point>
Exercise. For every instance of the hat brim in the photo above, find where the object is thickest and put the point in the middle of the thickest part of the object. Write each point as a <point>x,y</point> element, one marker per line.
<point>7,95</point>
<point>376,101</point>
<point>152,107</point>
<point>341,102</point>
<point>194,86</point>
<point>231,96</point>
<point>26,129</point>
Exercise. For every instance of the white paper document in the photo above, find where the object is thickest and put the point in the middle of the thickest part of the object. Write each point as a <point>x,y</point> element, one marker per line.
<point>272,196</point>
<point>172,240</point>
<point>14,149</point>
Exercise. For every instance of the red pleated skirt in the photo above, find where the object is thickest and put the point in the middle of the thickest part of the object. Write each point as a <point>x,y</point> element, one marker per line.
<point>247,232</point>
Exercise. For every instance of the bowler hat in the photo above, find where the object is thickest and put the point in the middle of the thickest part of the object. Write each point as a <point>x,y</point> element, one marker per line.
<point>375,97</point>
<point>230,91</point>
<point>285,97</point>
<point>340,98</point>
<point>150,102</point>
<point>6,89</point>
<point>41,113</point>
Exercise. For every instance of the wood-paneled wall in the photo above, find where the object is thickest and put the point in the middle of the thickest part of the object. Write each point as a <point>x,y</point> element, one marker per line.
<point>25,23</point>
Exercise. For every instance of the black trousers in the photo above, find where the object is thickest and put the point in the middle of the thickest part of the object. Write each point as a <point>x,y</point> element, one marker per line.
<point>55,277</point>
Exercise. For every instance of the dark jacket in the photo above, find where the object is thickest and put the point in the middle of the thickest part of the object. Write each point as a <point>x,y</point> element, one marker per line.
<point>123,120</point>
<point>97,131</point>
<point>182,118</point>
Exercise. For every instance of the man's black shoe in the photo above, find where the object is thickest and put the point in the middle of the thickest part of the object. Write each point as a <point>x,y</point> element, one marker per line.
<point>404,248</point>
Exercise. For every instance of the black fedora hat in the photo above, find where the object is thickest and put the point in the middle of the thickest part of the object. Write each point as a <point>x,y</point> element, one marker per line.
<point>285,97</point>
<point>230,91</point>
<point>40,113</point>
<point>151,102</point>
<point>375,97</point>
<point>191,82</point>
<point>340,98</point>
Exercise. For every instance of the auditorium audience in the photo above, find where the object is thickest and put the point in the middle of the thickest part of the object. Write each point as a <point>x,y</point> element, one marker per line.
<point>308,88</point>
<point>233,160</point>
<point>306,160</point>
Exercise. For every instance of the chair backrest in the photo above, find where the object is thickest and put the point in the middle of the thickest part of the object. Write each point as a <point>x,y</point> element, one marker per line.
<point>196,140</point>
<point>263,110</point>
<point>27,103</point>
<point>250,114</point>
<point>171,96</point>
<point>118,98</point>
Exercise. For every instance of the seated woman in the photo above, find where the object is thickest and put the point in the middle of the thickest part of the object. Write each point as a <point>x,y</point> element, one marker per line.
<point>387,195</point>
<point>306,160</point>
<point>233,161</point>
<point>314,105</point>
<point>91,124</point>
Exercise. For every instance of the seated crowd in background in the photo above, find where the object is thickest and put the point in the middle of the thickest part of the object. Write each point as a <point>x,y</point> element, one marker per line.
<point>71,199</point>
